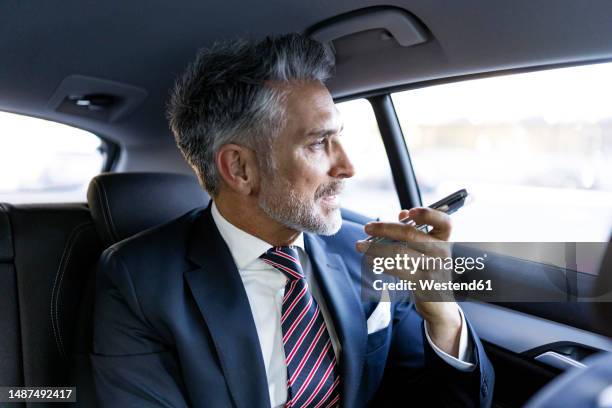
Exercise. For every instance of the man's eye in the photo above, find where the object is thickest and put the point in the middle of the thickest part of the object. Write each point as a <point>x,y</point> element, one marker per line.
<point>319,142</point>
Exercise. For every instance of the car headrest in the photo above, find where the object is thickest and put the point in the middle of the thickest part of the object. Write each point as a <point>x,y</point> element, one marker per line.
<point>124,204</point>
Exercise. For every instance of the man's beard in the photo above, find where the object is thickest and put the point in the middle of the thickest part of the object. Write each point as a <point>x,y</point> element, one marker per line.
<point>280,202</point>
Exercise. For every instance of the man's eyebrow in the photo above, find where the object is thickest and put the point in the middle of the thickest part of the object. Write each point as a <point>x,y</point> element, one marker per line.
<point>325,132</point>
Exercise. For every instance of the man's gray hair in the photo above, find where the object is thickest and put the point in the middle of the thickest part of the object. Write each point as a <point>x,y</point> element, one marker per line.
<point>228,95</point>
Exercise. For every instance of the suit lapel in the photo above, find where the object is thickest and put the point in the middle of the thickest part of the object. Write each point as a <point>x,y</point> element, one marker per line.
<point>222,300</point>
<point>347,314</point>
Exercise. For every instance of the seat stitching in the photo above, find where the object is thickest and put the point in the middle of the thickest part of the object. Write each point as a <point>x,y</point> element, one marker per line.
<point>98,194</point>
<point>113,230</point>
<point>60,273</point>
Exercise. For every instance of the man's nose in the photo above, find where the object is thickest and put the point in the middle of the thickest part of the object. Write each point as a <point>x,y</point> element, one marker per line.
<point>342,166</point>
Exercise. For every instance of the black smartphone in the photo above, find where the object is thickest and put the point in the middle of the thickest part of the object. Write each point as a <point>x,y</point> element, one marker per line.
<point>451,203</point>
<point>447,205</point>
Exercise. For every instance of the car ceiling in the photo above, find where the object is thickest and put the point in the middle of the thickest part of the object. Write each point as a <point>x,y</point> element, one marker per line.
<point>147,43</point>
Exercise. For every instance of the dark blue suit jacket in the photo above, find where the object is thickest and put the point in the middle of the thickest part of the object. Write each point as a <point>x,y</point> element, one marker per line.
<point>173,327</point>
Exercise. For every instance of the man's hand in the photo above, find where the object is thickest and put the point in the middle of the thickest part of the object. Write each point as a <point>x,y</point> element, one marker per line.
<point>443,318</point>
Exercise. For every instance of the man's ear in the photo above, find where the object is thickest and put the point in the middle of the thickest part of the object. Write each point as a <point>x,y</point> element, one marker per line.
<point>238,168</point>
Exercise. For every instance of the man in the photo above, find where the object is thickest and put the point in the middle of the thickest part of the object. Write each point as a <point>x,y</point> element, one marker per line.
<point>253,301</point>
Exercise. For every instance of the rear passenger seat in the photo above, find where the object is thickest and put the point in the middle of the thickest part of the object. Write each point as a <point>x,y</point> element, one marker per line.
<point>11,370</point>
<point>48,258</point>
<point>47,253</point>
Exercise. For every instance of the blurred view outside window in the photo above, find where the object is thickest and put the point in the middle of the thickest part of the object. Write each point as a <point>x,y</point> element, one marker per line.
<point>534,150</point>
<point>371,191</point>
<point>43,161</point>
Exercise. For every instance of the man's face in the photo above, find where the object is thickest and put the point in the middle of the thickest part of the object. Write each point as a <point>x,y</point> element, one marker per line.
<point>302,190</point>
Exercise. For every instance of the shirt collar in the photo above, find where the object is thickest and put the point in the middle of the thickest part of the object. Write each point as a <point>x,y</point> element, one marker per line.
<point>244,247</point>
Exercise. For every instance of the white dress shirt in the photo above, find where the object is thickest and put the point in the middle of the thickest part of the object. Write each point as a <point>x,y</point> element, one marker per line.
<point>265,288</point>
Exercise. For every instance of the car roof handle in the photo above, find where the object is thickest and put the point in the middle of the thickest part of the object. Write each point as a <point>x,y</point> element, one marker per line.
<point>406,29</point>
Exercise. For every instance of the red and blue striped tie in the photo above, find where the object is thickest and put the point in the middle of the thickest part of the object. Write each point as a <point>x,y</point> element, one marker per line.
<point>312,377</point>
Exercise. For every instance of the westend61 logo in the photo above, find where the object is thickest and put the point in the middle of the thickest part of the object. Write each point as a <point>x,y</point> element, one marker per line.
<point>412,264</point>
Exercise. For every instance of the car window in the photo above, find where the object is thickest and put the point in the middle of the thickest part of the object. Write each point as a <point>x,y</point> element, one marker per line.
<point>371,191</point>
<point>533,149</point>
<point>43,161</point>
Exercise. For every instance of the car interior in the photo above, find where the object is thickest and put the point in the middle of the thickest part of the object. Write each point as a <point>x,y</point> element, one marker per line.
<point>106,70</point>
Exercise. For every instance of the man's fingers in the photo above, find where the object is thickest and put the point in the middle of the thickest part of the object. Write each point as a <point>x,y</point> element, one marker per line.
<point>396,231</point>
<point>386,250</point>
<point>440,221</point>
<point>432,244</point>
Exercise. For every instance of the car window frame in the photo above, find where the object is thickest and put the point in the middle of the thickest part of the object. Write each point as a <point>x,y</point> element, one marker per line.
<point>110,150</point>
<point>390,129</point>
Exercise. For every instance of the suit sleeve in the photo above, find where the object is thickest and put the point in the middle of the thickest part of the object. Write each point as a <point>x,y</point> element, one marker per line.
<point>417,372</point>
<point>131,365</point>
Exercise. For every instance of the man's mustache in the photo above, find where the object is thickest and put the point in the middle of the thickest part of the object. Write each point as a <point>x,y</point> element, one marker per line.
<point>333,188</point>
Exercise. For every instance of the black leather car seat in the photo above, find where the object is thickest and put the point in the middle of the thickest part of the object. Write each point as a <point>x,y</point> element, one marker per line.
<point>124,204</point>
<point>47,252</point>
